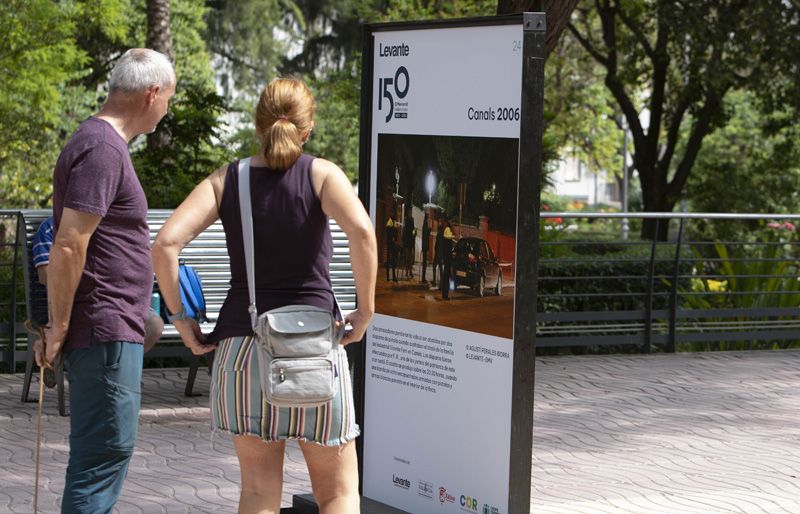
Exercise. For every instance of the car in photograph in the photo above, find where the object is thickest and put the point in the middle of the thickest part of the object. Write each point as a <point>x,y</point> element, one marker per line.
<point>475,265</point>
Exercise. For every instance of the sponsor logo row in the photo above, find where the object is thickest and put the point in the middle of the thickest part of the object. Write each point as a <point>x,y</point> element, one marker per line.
<point>425,489</point>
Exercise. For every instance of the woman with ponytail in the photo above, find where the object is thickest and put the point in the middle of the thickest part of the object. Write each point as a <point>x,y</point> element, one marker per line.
<point>293,194</point>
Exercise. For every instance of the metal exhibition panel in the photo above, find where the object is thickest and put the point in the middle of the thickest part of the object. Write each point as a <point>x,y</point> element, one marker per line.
<point>450,168</point>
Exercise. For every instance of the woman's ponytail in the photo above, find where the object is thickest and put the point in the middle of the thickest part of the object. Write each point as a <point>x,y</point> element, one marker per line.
<point>284,145</point>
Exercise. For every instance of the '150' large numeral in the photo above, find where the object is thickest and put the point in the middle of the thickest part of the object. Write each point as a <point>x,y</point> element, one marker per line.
<point>384,85</point>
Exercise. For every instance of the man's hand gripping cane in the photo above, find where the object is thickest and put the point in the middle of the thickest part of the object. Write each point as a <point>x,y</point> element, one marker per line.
<point>46,350</point>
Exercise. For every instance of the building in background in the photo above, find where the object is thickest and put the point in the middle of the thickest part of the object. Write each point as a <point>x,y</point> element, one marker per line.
<point>574,180</point>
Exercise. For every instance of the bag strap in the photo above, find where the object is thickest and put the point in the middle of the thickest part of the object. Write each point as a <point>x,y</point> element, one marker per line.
<point>246,211</point>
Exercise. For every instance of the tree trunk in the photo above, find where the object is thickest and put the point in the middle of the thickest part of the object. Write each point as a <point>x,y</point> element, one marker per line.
<point>660,227</point>
<point>159,38</point>
<point>654,200</point>
<point>558,14</point>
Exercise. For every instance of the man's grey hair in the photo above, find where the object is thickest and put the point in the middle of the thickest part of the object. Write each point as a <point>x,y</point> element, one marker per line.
<point>139,69</point>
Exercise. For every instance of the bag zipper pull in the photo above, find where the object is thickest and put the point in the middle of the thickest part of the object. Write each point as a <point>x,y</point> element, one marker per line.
<point>282,376</point>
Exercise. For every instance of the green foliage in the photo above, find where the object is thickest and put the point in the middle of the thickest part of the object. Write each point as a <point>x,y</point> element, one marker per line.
<point>744,167</point>
<point>567,257</point>
<point>36,56</point>
<point>192,56</point>
<point>436,9</point>
<point>336,129</point>
<point>101,33</point>
<point>169,174</point>
<point>37,60</point>
<point>195,123</point>
<point>749,276</point>
<point>57,58</point>
<point>551,144</point>
<point>251,37</point>
<point>554,203</point>
<point>748,270</point>
<point>330,35</point>
<point>49,86</point>
<point>580,114</point>
<point>679,61</point>
<point>591,271</point>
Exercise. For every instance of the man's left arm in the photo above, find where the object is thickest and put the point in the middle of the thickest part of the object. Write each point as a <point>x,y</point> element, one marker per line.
<point>67,260</point>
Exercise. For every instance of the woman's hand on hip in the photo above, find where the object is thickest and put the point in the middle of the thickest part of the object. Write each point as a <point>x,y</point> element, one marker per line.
<point>359,320</point>
<point>192,337</point>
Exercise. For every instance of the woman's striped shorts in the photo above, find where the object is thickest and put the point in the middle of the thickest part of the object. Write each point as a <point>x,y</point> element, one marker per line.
<point>239,407</point>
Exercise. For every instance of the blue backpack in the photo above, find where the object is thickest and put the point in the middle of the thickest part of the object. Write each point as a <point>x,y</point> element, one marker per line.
<point>191,287</point>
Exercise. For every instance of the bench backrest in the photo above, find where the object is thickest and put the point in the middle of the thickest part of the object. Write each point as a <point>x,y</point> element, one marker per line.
<point>207,254</point>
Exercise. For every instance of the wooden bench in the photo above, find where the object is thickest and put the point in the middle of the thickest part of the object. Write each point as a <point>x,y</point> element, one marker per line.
<point>208,254</point>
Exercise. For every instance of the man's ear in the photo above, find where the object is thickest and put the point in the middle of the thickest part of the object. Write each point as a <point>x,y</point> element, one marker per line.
<point>152,93</point>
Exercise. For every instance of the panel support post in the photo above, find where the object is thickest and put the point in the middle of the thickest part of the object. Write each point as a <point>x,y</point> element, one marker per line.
<point>527,261</point>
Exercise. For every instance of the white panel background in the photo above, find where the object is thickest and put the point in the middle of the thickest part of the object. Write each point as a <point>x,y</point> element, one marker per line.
<point>457,439</point>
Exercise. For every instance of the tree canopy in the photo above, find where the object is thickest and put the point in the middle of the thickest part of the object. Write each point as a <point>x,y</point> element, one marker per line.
<point>40,59</point>
<point>746,166</point>
<point>666,68</point>
<point>669,67</point>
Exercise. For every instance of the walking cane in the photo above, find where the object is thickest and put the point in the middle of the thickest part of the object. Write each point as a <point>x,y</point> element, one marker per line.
<point>40,332</point>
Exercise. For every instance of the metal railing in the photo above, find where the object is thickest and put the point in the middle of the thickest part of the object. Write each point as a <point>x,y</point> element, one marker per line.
<point>688,292</point>
<point>597,289</point>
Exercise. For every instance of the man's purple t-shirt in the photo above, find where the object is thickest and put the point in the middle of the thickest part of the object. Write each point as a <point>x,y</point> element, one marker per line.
<point>94,174</point>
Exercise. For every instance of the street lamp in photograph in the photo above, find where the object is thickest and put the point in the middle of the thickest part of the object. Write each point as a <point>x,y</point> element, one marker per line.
<point>396,195</point>
<point>430,187</point>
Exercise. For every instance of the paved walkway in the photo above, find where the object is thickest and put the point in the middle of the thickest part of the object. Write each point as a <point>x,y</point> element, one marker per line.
<point>689,433</point>
<point>178,467</point>
<point>686,433</point>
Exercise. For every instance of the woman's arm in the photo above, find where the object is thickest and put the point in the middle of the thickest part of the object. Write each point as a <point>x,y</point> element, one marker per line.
<point>195,214</point>
<point>340,202</point>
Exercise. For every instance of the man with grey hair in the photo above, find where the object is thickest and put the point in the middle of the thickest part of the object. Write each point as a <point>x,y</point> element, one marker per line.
<point>101,258</point>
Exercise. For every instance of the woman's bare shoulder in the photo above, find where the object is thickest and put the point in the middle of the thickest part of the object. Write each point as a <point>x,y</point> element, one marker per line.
<point>324,166</point>
<point>321,170</point>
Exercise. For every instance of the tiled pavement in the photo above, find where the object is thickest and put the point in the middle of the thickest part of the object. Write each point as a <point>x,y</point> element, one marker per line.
<point>686,433</point>
<point>178,467</point>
